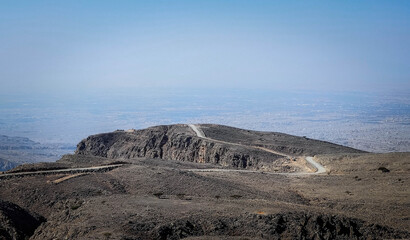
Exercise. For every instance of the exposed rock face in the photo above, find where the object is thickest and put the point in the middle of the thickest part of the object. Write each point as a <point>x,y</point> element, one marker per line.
<point>179,142</point>
<point>174,142</point>
<point>291,225</point>
<point>16,222</point>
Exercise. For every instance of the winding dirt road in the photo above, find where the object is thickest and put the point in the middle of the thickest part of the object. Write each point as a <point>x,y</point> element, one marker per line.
<point>319,168</point>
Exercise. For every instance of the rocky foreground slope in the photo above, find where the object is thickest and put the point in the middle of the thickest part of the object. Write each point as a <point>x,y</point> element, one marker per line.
<point>16,222</point>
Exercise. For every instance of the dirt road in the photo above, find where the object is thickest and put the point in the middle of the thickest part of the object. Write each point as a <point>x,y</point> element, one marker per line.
<point>201,134</point>
<point>68,170</point>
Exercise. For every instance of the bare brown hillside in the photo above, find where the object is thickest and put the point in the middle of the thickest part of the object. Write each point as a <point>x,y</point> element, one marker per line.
<point>179,142</point>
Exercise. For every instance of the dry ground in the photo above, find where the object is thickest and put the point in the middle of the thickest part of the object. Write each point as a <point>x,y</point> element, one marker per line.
<point>153,198</point>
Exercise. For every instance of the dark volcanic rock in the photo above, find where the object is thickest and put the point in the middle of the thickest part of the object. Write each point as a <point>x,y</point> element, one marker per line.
<point>16,222</point>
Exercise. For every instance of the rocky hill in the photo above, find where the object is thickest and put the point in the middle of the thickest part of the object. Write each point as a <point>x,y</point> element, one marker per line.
<point>179,142</point>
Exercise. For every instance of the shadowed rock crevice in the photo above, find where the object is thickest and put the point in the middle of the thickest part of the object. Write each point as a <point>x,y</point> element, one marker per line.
<point>16,222</point>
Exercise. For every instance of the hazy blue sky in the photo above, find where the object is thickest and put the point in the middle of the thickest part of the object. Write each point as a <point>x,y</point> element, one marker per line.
<point>62,46</point>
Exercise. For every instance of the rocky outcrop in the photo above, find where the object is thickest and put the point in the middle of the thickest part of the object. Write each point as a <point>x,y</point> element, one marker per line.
<point>173,142</point>
<point>16,222</point>
<point>292,225</point>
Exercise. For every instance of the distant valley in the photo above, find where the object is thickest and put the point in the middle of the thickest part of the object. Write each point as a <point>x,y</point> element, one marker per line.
<point>365,121</point>
<point>18,150</point>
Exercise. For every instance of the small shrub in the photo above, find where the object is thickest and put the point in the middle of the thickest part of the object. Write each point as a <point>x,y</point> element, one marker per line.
<point>181,196</point>
<point>107,235</point>
<point>158,194</point>
<point>75,206</point>
<point>236,196</point>
<point>383,169</point>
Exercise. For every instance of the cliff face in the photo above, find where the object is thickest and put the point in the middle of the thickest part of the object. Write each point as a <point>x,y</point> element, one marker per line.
<point>173,142</point>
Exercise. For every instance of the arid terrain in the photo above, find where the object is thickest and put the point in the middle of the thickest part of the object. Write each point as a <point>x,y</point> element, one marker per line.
<point>208,182</point>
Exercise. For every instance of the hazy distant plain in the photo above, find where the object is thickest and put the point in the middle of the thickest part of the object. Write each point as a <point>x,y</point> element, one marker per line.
<point>371,122</point>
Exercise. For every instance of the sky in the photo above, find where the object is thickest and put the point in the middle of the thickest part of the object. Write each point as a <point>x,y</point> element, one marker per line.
<point>65,46</point>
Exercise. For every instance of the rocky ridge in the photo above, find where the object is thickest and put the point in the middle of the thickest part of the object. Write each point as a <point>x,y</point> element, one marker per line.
<point>173,142</point>
<point>179,142</point>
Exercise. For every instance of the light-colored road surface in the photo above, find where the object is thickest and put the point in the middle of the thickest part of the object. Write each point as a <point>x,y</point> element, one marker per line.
<point>198,132</point>
<point>246,171</point>
<point>318,166</point>
<point>201,134</point>
<point>68,170</point>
